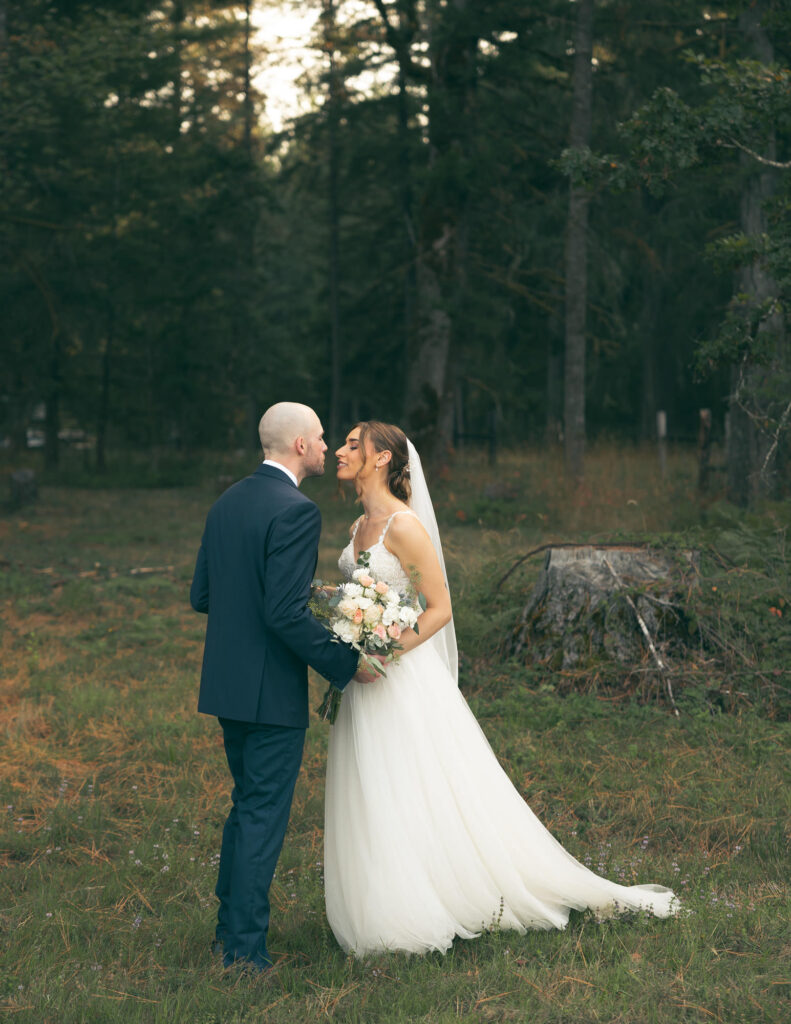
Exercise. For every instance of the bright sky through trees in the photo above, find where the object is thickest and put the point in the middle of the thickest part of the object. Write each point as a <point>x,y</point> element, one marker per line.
<point>282,36</point>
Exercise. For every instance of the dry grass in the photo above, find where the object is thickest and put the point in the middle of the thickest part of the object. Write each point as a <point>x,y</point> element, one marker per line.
<point>114,792</point>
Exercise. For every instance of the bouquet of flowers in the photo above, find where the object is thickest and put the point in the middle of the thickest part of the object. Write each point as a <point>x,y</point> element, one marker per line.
<point>369,615</point>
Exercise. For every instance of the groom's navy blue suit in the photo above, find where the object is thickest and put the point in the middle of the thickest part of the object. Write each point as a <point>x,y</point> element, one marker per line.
<point>256,561</point>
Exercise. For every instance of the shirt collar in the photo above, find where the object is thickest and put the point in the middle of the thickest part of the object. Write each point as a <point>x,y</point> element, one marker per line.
<point>280,466</point>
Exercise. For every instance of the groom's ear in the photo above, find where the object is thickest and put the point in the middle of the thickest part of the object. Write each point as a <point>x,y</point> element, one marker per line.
<point>300,445</point>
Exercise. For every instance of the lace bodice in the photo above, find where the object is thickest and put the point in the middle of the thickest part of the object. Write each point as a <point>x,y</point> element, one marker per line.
<point>383,564</point>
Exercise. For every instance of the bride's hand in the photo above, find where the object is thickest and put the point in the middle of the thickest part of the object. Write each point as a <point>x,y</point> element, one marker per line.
<point>364,675</point>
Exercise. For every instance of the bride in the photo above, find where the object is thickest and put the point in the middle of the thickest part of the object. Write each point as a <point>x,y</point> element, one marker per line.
<point>425,836</point>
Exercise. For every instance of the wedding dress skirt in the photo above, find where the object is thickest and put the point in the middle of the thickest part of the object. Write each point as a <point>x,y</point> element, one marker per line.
<point>425,836</point>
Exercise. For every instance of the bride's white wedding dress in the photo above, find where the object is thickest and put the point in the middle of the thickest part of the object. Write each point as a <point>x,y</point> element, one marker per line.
<point>425,836</point>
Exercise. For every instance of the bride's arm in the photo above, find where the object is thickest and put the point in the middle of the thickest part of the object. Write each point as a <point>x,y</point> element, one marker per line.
<point>409,542</point>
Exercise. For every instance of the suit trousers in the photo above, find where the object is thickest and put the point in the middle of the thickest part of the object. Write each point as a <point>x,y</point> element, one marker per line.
<point>264,762</point>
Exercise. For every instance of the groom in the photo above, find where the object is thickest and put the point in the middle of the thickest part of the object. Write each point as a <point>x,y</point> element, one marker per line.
<point>253,573</point>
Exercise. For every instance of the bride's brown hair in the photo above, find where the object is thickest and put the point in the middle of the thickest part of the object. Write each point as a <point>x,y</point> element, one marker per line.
<point>385,437</point>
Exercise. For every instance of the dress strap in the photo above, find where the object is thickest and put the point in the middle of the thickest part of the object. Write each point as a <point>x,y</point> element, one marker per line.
<point>400,512</point>
<point>356,526</point>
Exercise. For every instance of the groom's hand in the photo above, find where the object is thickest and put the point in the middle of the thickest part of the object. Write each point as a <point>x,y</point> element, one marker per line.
<point>364,675</point>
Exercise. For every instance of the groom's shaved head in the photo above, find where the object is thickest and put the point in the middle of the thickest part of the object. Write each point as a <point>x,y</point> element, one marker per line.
<point>282,424</point>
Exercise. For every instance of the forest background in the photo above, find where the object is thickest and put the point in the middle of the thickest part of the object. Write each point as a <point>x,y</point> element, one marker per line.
<point>555,218</point>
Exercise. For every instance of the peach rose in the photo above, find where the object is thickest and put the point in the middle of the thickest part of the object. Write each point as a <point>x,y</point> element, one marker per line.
<point>381,587</point>
<point>381,632</point>
<point>365,580</point>
<point>358,615</point>
<point>394,631</point>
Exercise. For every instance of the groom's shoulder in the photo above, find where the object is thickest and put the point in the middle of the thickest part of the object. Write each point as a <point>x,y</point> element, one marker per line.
<point>278,496</point>
<point>272,492</point>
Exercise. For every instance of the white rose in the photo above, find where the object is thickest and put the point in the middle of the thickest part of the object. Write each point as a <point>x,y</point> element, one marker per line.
<point>352,589</point>
<point>372,614</point>
<point>392,597</point>
<point>346,608</point>
<point>345,630</point>
<point>390,615</point>
<point>364,602</point>
<point>370,593</point>
<point>407,616</point>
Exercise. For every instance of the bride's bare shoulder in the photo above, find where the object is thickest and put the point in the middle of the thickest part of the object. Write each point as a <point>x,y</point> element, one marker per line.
<point>406,527</point>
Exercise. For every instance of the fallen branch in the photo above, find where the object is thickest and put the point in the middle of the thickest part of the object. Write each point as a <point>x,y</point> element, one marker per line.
<point>659,663</point>
<point>521,559</point>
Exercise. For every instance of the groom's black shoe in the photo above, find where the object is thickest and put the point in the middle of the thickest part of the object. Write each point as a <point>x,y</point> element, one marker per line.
<point>217,947</point>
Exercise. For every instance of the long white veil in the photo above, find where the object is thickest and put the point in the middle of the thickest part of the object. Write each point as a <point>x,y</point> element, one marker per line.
<point>444,641</point>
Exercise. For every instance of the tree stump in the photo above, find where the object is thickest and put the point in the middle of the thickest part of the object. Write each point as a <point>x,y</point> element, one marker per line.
<point>23,487</point>
<point>588,600</point>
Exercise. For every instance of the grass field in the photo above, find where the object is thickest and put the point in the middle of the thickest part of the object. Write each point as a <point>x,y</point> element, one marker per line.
<point>113,790</point>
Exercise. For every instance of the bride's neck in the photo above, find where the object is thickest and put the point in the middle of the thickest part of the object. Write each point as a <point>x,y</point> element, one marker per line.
<point>376,500</point>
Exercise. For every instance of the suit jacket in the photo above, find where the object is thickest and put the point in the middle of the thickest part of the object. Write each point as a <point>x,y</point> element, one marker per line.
<point>255,564</point>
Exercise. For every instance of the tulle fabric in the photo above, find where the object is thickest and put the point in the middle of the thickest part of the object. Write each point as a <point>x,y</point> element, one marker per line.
<point>426,838</point>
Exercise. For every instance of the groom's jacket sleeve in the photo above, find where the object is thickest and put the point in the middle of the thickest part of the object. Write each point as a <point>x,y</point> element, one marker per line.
<point>288,566</point>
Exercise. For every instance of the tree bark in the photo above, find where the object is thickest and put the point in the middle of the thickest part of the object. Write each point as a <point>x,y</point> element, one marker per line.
<point>400,36</point>
<point>3,32</point>
<point>442,236</point>
<point>104,396</point>
<point>247,322</point>
<point>747,445</point>
<point>554,388</point>
<point>576,250</point>
<point>52,406</point>
<point>333,117</point>
<point>406,31</point>
<point>649,316</point>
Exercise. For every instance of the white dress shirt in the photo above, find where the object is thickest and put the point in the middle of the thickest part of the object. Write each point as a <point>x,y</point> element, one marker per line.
<point>285,469</point>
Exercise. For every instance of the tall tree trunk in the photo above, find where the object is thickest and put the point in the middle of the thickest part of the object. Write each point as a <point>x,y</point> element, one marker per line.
<point>406,196</point>
<point>247,326</point>
<point>52,406</point>
<point>104,395</point>
<point>442,241</point>
<point>3,33</point>
<point>649,315</point>
<point>554,389</point>
<point>747,446</point>
<point>577,250</point>
<point>333,118</point>
<point>400,37</point>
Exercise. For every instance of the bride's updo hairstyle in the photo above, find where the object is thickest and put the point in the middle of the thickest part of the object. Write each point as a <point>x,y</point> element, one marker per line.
<point>385,437</point>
